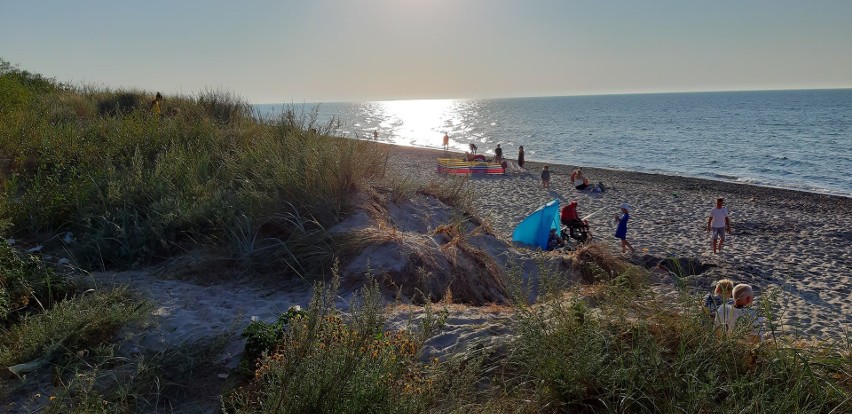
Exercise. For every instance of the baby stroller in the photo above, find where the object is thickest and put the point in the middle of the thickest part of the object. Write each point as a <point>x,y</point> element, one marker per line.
<point>572,226</point>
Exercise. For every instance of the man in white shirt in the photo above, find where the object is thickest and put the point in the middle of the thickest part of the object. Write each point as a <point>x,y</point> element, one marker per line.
<point>719,224</point>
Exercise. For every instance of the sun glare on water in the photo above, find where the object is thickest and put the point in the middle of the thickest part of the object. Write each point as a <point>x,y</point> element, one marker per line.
<point>421,122</point>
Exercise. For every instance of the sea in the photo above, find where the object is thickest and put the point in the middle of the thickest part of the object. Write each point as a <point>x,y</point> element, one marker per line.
<point>796,139</point>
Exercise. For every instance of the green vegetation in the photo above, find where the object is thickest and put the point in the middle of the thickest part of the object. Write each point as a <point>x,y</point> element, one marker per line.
<point>134,187</point>
<point>326,364</point>
<point>645,355</point>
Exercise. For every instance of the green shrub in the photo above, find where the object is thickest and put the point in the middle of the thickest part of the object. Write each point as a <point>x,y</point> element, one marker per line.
<point>262,336</point>
<point>24,278</point>
<point>14,97</point>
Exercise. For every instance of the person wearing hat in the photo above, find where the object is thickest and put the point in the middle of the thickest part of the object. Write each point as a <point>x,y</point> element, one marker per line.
<point>621,230</point>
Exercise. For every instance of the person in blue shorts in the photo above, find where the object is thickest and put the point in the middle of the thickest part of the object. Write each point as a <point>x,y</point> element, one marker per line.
<point>621,231</point>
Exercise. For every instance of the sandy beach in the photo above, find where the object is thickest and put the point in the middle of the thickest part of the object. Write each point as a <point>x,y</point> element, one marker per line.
<point>797,244</point>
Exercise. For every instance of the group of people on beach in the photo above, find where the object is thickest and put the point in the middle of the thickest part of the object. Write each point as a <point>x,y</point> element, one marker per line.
<point>728,305</point>
<point>473,156</point>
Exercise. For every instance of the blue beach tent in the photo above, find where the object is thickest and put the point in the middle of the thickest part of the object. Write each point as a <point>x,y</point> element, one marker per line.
<point>534,229</point>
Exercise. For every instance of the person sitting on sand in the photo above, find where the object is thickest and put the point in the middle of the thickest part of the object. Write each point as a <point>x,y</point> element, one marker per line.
<point>470,157</point>
<point>498,154</point>
<point>720,296</point>
<point>579,180</point>
<point>545,177</point>
<point>554,241</point>
<point>578,229</point>
<point>719,224</point>
<point>730,316</point>
<point>521,156</point>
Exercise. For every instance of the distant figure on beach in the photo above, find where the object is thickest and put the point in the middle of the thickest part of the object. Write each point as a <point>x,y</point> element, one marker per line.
<point>155,104</point>
<point>554,241</point>
<point>621,230</point>
<point>545,177</point>
<point>498,154</point>
<point>521,156</point>
<point>446,141</point>
<point>721,295</point>
<point>718,223</point>
<point>578,180</point>
<point>375,134</point>
<point>473,148</point>
<point>729,316</point>
<point>470,157</point>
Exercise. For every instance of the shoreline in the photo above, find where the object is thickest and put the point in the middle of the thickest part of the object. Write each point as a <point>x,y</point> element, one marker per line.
<point>792,246</point>
<point>460,154</point>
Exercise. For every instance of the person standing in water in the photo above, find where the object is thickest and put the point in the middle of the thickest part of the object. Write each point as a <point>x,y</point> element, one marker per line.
<point>446,141</point>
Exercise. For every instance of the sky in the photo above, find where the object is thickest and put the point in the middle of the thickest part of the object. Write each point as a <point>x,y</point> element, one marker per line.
<point>359,50</point>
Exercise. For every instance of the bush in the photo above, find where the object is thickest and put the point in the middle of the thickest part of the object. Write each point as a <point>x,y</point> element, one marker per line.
<point>14,97</point>
<point>22,279</point>
<point>261,337</point>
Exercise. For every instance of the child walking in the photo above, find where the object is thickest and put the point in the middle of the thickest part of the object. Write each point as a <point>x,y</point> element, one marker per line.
<point>545,177</point>
<point>621,231</point>
<point>718,223</point>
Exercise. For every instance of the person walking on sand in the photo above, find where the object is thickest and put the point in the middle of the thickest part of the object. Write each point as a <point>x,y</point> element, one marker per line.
<point>446,142</point>
<point>498,154</point>
<point>621,230</point>
<point>521,156</point>
<point>545,177</point>
<point>718,224</point>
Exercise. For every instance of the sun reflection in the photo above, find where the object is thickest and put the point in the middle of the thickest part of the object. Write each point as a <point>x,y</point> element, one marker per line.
<point>422,122</point>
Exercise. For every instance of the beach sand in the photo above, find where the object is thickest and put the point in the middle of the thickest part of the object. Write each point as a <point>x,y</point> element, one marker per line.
<point>791,244</point>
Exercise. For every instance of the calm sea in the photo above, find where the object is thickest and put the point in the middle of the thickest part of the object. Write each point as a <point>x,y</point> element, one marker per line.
<point>792,139</point>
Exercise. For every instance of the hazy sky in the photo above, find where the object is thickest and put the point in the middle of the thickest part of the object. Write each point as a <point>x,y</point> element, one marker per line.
<point>343,50</point>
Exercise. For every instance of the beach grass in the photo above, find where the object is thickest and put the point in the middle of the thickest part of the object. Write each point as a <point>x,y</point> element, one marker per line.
<point>134,186</point>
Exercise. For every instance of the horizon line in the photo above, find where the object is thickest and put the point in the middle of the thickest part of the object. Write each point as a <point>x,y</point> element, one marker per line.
<point>561,96</point>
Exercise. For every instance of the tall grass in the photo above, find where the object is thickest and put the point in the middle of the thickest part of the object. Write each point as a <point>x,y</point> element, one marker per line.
<point>328,363</point>
<point>136,186</point>
<point>643,355</point>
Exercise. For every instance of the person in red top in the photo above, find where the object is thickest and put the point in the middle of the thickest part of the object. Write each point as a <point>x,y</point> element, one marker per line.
<point>578,229</point>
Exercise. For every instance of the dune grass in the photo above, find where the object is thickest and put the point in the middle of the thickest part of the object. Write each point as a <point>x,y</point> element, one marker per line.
<point>134,186</point>
<point>328,363</point>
